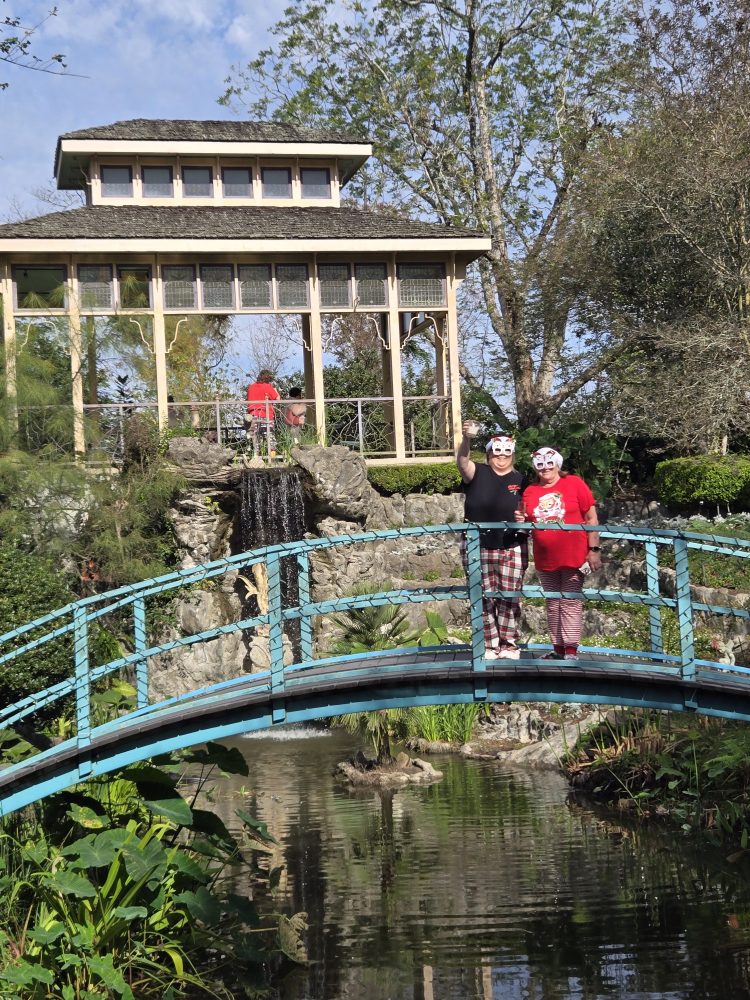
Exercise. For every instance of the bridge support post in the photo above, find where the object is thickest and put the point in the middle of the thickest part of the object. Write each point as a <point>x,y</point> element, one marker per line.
<point>83,691</point>
<point>305,625</point>
<point>276,636</point>
<point>139,642</point>
<point>652,583</point>
<point>684,609</point>
<point>474,583</point>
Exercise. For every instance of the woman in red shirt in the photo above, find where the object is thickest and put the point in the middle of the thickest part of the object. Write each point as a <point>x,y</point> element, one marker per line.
<point>558,555</point>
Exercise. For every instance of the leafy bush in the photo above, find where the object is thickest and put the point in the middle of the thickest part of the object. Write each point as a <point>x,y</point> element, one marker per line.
<point>714,479</point>
<point>131,892</point>
<point>32,586</point>
<point>435,477</point>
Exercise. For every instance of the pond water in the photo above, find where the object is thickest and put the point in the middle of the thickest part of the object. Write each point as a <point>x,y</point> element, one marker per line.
<point>489,885</point>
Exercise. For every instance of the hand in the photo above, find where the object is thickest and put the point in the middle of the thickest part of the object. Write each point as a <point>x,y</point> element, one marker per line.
<point>595,561</point>
<point>519,516</point>
<point>465,428</point>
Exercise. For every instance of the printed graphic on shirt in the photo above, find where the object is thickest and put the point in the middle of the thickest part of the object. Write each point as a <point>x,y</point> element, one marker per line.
<point>550,508</point>
<point>514,487</point>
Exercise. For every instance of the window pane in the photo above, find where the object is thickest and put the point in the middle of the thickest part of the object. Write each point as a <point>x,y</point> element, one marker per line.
<point>316,183</point>
<point>372,289</point>
<point>255,286</point>
<point>238,182</point>
<point>40,287</point>
<point>135,287</point>
<point>117,182</point>
<point>277,182</point>
<point>179,287</point>
<point>197,182</point>
<point>421,285</point>
<point>157,182</point>
<point>95,286</point>
<point>334,284</point>
<point>291,280</point>
<point>218,285</point>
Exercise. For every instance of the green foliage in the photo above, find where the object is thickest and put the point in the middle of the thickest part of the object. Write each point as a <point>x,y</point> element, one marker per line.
<point>435,477</point>
<point>713,479</point>
<point>32,586</point>
<point>443,723</point>
<point>711,569</point>
<point>695,771</point>
<point>136,897</point>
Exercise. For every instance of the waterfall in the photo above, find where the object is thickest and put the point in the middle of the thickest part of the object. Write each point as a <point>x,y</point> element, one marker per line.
<point>273,511</point>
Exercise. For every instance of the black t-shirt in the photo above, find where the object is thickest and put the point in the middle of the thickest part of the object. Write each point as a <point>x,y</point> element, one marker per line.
<point>490,497</point>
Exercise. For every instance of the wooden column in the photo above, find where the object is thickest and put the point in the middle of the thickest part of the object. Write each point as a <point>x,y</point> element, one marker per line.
<point>313,335</point>
<point>452,338</point>
<point>160,349</point>
<point>393,368</point>
<point>9,344</point>
<point>76,361</point>
<point>442,383</point>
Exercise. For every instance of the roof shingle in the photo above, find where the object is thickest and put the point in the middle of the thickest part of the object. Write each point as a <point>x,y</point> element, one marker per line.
<point>192,130</point>
<point>226,223</point>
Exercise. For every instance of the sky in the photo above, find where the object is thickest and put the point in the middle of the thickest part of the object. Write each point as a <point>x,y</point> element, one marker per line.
<point>140,59</point>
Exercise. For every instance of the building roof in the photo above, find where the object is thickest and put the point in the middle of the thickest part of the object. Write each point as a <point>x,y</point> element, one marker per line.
<point>191,137</point>
<point>192,130</point>
<point>179,223</point>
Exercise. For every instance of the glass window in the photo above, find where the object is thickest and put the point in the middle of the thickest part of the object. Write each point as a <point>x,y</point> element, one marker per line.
<point>179,286</point>
<point>238,182</point>
<point>197,182</point>
<point>372,285</point>
<point>334,284</point>
<point>117,182</point>
<point>135,287</point>
<point>316,182</point>
<point>255,286</point>
<point>40,287</point>
<point>95,286</point>
<point>157,182</point>
<point>277,182</point>
<point>421,284</point>
<point>217,281</point>
<point>291,281</point>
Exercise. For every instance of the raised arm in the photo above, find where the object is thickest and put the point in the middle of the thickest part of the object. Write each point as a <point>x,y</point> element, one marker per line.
<point>465,463</point>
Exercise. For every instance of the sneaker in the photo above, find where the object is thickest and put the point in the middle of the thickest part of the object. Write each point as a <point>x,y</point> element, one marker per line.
<point>571,656</point>
<point>492,654</point>
<point>509,652</point>
<point>571,653</point>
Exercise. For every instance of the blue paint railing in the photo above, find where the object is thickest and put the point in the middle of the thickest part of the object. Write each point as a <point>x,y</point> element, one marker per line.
<point>77,619</point>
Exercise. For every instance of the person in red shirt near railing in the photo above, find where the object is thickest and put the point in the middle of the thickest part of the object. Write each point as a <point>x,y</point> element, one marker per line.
<point>260,412</point>
<point>561,558</point>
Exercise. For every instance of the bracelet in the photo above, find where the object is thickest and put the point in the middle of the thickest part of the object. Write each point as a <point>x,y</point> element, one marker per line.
<point>595,548</point>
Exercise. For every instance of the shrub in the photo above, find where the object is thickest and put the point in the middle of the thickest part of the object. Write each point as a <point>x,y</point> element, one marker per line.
<point>714,479</point>
<point>435,477</point>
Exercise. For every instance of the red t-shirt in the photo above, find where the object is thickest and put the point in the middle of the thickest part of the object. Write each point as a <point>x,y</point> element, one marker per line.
<point>257,394</point>
<point>566,502</point>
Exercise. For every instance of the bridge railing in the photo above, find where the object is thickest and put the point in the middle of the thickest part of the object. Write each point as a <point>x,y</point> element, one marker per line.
<point>76,623</point>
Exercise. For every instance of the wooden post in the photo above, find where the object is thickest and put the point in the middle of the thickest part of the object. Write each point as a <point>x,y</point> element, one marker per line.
<point>76,362</point>
<point>9,345</point>
<point>442,384</point>
<point>160,349</point>
<point>453,372</point>
<point>313,332</point>
<point>393,368</point>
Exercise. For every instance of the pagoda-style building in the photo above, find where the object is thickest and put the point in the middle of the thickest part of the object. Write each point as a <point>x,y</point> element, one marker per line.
<point>228,218</point>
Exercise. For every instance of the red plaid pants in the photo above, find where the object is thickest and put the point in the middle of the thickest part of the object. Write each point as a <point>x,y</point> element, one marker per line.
<point>502,569</point>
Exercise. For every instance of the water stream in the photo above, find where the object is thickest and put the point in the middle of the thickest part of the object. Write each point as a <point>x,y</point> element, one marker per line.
<point>487,886</point>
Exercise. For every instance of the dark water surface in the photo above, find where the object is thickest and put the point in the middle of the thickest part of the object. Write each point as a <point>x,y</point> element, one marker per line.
<point>487,886</point>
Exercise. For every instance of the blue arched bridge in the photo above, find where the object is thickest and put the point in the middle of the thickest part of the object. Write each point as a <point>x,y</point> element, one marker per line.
<point>664,675</point>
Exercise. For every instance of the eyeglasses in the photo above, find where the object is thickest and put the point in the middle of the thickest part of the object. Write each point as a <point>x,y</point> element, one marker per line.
<point>544,463</point>
<point>502,449</point>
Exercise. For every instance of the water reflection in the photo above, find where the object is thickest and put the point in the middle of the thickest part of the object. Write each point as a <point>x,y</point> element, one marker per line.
<point>487,886</point>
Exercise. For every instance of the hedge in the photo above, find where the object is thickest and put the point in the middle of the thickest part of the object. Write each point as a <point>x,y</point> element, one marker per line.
<point>714,479</point>
<point>435,477</point>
